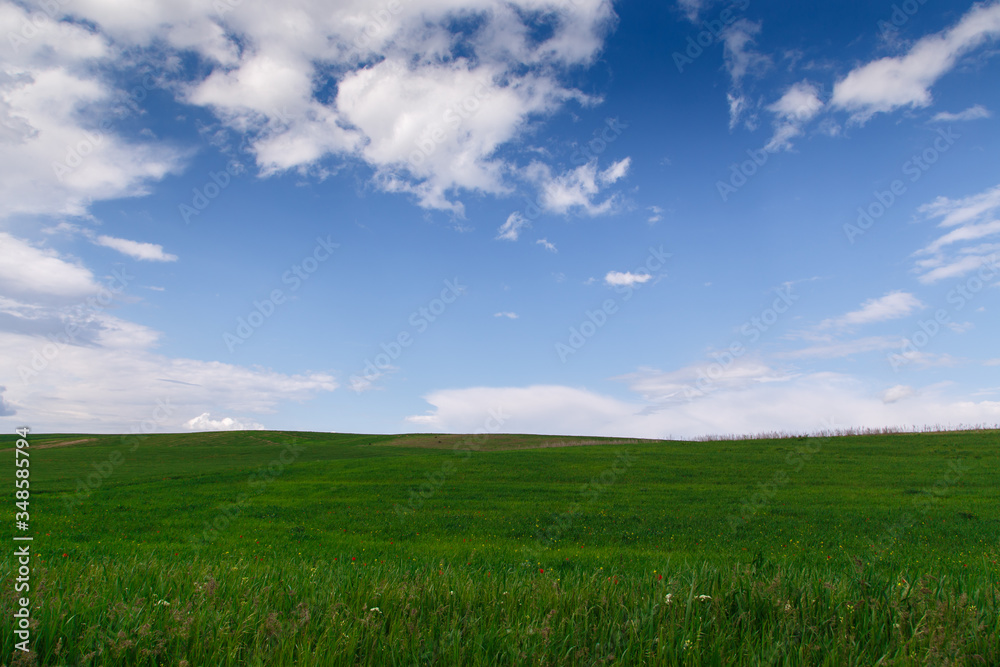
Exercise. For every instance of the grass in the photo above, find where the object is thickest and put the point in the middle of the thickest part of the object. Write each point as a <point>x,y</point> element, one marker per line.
<point>268,548</point>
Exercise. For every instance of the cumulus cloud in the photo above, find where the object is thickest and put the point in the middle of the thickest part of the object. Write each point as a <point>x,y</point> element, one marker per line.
<point>905,81</point>
<point>796,107</point>
<point>58,115</point>
<point>577,189</point>
<point>204,422</point>
<point>29,271</point>
<point>625,279</point>
<point>806,403</point>
<point>144,251</point>
<point>545,244</point>
<point>424,105</point>
<point>79,367</point>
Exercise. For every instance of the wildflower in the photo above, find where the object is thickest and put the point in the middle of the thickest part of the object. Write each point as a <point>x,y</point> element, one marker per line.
<point>375,609</point>
<point>669,598</point>
<point>162,603</point>
<point>703,598</point>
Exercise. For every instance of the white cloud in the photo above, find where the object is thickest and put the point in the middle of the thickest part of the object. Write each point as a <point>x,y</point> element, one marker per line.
<point>969,219</point>
<point>655,214</point>
<point>58,157</point>
<point>27,271</point>
<point>890,83</point>
<point>796,107</point>
<point>510,230</point>
<point>960,211</point>
<point>692,8</point>
<point>138,250</point>
<point>508,315</point>
<point>625,279</point>
<point>893,305</point>
<point>738,105</point>
<point>972,113</point>
<point>800,102</point>
<point>577,188</point>
<point>204,422</point>
<point>545,244</point>
<point>897,393</point>
<point>73,365</point>
<point>700,379</point>
<point>740,57</point>
<point>425,106</point>
<point>961,266</point>
<point>6,409</point>
<point>615,172</point>
<point>803,404</point>
<point>367,381</point>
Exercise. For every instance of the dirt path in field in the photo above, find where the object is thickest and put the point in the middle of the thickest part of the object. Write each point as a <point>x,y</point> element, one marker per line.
<point>51,445</point>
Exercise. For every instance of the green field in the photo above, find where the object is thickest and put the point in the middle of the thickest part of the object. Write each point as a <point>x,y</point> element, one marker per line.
<point>274,548</point>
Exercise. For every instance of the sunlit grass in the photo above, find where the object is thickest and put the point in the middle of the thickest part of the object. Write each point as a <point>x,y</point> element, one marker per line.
<point>516,557</point>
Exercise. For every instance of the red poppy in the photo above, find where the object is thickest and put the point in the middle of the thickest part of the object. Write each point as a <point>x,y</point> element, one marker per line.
<point>353,558</point>
<point>541,570</point>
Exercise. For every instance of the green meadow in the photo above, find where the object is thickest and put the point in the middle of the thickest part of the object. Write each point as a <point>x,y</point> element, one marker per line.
<point>281,548</point>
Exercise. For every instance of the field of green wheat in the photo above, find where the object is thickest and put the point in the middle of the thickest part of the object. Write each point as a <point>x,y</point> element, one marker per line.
<point>280,548</point>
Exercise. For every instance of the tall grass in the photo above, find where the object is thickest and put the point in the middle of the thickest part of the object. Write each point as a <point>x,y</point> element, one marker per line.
<point>288,611</point>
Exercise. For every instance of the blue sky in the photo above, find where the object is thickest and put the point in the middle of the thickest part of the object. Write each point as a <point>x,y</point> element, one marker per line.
<point>551,216</point>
